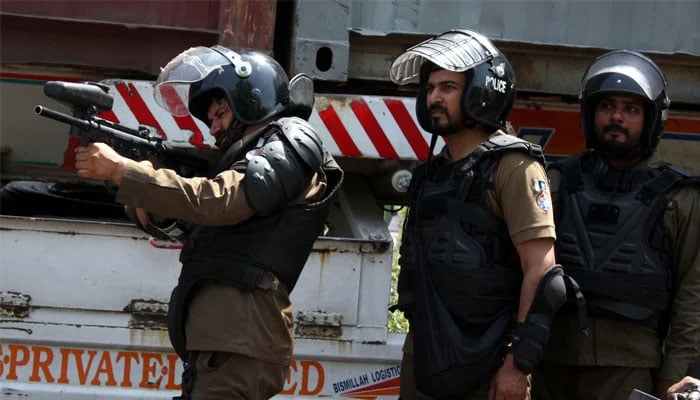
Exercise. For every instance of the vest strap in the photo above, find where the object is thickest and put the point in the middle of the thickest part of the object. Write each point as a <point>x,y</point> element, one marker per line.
<point>647,291</point>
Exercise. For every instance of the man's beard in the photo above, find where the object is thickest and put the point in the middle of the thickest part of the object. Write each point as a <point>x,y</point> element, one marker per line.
<point>442,129</point>
<point>612,149</point>
<point>232,134</point>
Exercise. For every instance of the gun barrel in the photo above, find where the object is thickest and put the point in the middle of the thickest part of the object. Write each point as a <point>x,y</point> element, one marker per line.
<point>92,127</point>
<point>96,131</point>
<point>61,117</point>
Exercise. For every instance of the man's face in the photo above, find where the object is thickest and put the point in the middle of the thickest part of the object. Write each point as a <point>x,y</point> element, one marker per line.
<point>220,117</point>
<point>619,123</point>
<point>443,97</point>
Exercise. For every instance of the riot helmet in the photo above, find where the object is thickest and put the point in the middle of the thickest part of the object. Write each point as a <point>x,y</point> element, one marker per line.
<point>254,84</point>
<point>627,72</point>
<point>490,89</point>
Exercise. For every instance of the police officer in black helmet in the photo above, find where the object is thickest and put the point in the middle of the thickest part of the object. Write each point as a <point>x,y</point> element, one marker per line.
<point>627,228</point>
<point>478,279</point>
<point>247,228</point>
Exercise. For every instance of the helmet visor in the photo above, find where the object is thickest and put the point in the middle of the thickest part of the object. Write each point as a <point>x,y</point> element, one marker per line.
<point>192,65</point>
<point>457,51</point>
<point>632,72</point>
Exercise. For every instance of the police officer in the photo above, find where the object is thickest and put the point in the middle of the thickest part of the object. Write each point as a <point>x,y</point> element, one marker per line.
<point>627,229</point>
<point>477,251</point>
<point>247,228</point>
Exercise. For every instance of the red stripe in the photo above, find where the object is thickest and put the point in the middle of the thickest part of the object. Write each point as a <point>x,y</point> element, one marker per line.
<point>73,142</point>
<point>186,122</point>
<point>110,116</point>
<point>31,77</point>
<point>340,134</point>
<point>69,154</point>
<point>143,115</point>
<point>374,131</point>
<point>408,127</point>
<point>378,388</point>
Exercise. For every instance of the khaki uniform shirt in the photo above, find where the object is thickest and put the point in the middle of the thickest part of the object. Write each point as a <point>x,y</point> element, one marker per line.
<point>257,323</point>
<point>626,344</point>
<point>518,198</point>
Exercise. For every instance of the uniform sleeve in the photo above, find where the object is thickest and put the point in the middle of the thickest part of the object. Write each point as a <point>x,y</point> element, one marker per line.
<point>682,222</point>
<point>217,201</point>
<point>201,201</point>
<point>521,197</point>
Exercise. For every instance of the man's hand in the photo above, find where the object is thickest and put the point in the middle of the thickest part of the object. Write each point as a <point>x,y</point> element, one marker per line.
<point>101,162</point>
<point>683,385</point>
<point>509,383</point>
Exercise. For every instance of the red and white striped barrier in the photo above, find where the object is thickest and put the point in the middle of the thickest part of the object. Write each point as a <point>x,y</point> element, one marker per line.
<point>357,126</point>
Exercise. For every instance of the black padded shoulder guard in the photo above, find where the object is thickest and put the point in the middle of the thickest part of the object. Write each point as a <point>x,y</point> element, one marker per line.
<point>510,142</point>
<point>281,171</point>
<point>533,334</point>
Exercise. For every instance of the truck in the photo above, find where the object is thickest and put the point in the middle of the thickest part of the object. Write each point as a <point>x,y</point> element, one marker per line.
<point>83,296</point>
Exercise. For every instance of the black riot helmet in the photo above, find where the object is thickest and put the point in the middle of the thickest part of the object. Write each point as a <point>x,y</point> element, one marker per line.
<point>628,72</point>
<point>255,85</point>
<point>490,90</point>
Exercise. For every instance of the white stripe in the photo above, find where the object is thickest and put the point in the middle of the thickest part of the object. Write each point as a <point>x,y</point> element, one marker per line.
<point>324,134</point>
<point>411,107</point>
<point>121,110</point>
<point>355,130</point>
<point>390,127</point>
<point>176,136</point>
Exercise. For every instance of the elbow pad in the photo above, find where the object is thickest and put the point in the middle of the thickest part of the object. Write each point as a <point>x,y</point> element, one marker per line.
<point>533,334</point>
<point>282,169</point>
<point>161,228</point>
<point>168,228</point>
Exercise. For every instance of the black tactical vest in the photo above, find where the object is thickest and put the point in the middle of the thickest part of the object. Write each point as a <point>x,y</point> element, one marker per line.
<point>610,236</point>
<point>460,273</point>
<point>240,254</point>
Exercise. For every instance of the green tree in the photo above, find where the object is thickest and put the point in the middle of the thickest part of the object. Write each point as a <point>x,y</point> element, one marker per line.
<point>397,321</point>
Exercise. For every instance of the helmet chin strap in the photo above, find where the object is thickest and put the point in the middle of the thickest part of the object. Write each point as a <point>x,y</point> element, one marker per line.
<point>232,134</point>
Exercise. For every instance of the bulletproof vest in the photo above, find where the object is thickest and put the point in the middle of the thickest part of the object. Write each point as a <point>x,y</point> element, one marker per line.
<point>610,236</point>
<point>460,273</point>
<point>468,249</point>
<point>240,254</point>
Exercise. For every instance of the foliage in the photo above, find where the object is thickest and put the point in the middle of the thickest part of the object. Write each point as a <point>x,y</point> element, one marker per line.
<point>397,322</point>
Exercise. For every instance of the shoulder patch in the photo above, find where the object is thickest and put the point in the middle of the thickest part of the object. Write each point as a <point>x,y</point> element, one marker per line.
<point>543,202</point>
<point>542,199</point>
<point>539,185</point>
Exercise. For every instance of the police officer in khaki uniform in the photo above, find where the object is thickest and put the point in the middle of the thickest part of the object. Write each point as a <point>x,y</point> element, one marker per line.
<point>247,228</point>
<point>477,251</point>
<point>627,229</point>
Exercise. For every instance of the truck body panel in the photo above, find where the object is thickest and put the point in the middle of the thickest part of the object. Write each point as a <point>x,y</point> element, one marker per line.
<point>70,326</point>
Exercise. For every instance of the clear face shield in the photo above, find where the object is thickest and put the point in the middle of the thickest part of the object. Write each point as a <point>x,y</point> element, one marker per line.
<point>173,84</point>
<point>457,51</point>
